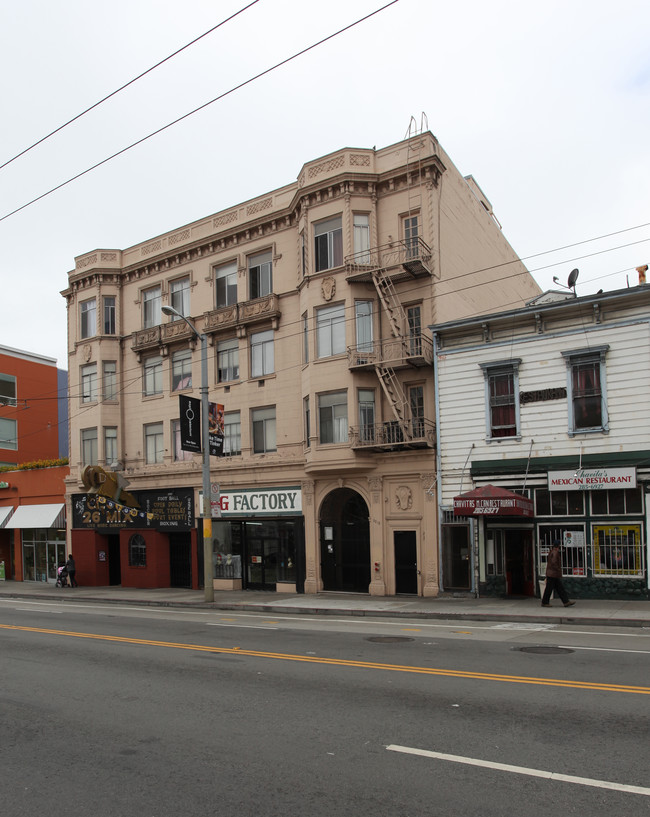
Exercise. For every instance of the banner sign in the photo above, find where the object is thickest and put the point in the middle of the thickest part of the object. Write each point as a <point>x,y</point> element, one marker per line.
<point>190,417</point>
<point>168,511</point>
<point>216,429</point>
<point>260,502</point>
<point>499,506</point>
<point>591,479</point>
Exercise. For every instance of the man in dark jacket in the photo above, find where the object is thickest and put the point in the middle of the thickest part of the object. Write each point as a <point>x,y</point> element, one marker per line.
<point>72,571</point>
<point>554,577</point>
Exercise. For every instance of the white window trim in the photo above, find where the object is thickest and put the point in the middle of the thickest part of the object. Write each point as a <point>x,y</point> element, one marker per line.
<point>572,357</point>
<point>493,367</point>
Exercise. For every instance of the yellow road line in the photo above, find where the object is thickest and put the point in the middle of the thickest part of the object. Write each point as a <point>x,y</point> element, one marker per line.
<point>341,662</point>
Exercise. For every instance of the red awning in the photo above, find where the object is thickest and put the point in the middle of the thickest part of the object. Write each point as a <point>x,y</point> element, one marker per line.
<point>492,501</point>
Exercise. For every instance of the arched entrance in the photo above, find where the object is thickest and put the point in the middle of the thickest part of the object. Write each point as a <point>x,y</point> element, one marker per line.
<point>345,542</point>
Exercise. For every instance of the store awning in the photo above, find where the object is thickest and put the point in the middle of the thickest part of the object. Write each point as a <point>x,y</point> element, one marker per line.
<point>38,516</point>
<point>5,513</point>
<point>492,501</point>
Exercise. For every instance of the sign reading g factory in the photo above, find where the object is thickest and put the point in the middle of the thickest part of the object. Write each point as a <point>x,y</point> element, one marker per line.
<point>168,511</point>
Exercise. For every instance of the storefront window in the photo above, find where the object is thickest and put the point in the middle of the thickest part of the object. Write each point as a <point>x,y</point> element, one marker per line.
<point>226,549</point>
<point>559,503</point>
<point>616,502</point>
<point>43,553</point>
<point>617,550</point>
<point>574,550</point>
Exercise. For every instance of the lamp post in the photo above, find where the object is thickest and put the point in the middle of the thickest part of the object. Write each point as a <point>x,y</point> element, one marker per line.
<point>206,512</point>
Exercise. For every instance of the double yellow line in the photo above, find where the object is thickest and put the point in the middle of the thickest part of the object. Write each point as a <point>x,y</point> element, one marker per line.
<point>341,662</point>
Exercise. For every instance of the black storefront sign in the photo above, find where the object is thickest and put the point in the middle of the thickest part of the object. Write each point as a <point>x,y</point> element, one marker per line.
<point>167,511</point>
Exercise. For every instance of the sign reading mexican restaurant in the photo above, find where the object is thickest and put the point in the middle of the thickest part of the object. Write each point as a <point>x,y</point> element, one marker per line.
<point>591,479</point>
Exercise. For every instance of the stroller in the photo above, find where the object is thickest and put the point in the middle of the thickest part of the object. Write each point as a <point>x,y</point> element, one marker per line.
<point>62,576</point>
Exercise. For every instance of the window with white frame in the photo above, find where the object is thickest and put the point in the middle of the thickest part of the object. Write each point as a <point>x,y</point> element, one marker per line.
<point>330,331</point>
<point>416,407</point>
<point>227,360</point>
<point>411,232</point>
<point>559,503</point>
<point>89,392</point>
<point>414,318</point>
<point>110,445</point>
<point>182,370</point>
<point>151,303</point>
<point>8,434</point>
<point>501,398</point>
<point>225,278</point>
<point>8,395</point>
<point>109,314</point>
<point>263,427</point>
<point>367,415</point>
<point>573,544</point>
<point>586,388</point>
<point>88,318</point>
<point>88,446</point>
<point>153,443</point>
<point>232,433</point>
<point>179,454</point>
<point>328,244</point>
<point>152,376</point>
<point>260,277</point>
<point>333,417</point>
<point>262,355</point>
<point>363,328</point>
<point>616,501</point>
<point>179,292</point>
<point>109,378</point>
<point>618,550</point>
<point>361,232</point>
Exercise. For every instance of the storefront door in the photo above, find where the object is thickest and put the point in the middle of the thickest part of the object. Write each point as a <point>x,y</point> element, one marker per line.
<point>520,576</point>
<point>262,557</point>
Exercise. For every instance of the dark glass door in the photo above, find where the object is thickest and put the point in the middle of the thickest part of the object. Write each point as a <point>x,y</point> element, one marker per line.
<point>262,545</point>
<point>406,562</point>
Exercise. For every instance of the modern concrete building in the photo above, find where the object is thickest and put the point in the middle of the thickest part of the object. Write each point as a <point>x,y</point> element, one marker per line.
<point>315,298</point>
<point>543,436</point>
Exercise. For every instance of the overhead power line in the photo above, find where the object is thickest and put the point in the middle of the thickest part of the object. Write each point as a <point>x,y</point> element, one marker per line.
<point>126,85</point>
<point>200,108</point>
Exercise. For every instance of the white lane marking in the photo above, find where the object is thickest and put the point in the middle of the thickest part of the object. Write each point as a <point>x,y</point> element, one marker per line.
<point>606,649</point>
<point>239,626</point>
<point>31,610</point>
<point>505,767</point>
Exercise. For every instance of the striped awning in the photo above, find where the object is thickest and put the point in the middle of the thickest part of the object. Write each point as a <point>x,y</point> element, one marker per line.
<point>38,516</point>
<point>5,513</point>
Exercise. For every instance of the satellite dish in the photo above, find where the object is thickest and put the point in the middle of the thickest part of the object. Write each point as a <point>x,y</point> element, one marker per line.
<point>573,277</point>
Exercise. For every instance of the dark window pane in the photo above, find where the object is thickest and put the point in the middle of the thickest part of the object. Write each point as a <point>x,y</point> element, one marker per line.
<point>598,502</point>
<point>542,502</point>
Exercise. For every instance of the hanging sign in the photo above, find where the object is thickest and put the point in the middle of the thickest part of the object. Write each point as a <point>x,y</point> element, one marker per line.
<point>216,429</point>
<point>190,421</point>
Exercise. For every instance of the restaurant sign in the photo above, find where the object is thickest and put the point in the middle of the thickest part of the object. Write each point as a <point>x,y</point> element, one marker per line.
<point>167,511</point>
<point>591,479</point>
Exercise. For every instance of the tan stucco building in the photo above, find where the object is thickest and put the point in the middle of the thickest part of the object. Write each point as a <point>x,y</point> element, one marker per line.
<point>315,298</point>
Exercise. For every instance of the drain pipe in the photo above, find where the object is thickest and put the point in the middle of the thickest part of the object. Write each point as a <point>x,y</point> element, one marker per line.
<point>438,460</point>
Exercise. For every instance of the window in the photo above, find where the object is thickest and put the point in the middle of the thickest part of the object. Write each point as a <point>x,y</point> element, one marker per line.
<point>263,421</point>
<point>330,331</point>
<point>232,434</point>
<point>110,380</point>
<point>501,391</point>
<point>616,501</point>
<point>182,370</point>
<point>109,314</point>
<point>366,415</point>
<point>262,358</point>
<point>153,443</point>
<point>363,324</point>
<point>152,376</point>
<point>88,318</point>
<point>410,230</point>
<point>328,239</point>
<point>89,393</point>
<point>179,454</point>
<point>361,231</point>
<point>228,360</point>
<point>559,503</point>
<point>333,417</point>
<point>574,549</point>
<point>8,434</point>
<point>137,551</point>
<point>225,285</point>
<point>305,338</point>
<point>617,550</point>
<point>179,291</point>
<point>110,445</point>
<point>88,446</point>
<point>416,405</point>
<point>586,389</point>
<point>414,318</point>
<point>259,275</point>
<point>307,416</point>
<point>8,390</point>
<point>151,302</point>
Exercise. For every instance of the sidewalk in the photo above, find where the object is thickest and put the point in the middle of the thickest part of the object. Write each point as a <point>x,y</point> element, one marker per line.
<point>523,610</point>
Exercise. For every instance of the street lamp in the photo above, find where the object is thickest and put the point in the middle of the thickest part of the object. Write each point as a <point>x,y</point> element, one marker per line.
<point>206,513</point>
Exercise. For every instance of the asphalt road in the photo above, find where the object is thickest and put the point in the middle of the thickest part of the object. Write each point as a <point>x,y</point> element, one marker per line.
<point>110,710</point>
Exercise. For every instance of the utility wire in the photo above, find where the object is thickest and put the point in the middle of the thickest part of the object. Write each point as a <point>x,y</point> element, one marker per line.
<point>200,108</point>
<point>126,85</point>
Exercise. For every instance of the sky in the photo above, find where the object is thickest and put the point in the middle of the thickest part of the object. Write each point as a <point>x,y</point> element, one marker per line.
<point>547,105</point>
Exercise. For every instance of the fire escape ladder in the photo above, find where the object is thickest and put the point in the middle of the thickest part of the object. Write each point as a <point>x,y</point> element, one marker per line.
<point>397,399</point>
<point>390,302</point>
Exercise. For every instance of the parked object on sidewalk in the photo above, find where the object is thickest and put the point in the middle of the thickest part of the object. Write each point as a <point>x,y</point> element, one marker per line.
<point>554,577</point>
<point>62,576</point>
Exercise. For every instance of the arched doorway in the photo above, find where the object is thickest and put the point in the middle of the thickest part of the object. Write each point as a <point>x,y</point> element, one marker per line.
<point>345,542</point>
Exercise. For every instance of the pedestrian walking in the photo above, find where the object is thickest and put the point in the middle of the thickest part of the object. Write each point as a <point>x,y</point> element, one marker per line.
<point>554,577</point>
<point>72,571</point>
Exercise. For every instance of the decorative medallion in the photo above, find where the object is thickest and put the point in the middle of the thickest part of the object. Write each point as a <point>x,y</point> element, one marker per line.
<point>328,288</point>
<point>404,498</point>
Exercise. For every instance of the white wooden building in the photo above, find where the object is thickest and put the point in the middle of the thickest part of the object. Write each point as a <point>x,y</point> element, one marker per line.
<point>549,402</point>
